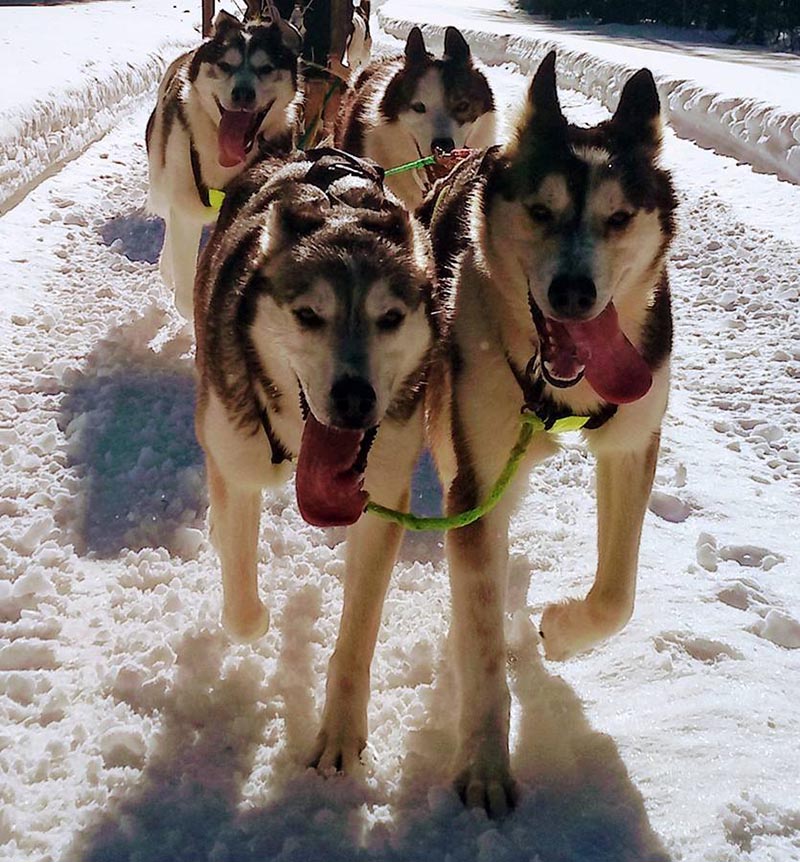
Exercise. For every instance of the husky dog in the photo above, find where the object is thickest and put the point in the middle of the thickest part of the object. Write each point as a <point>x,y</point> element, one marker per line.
<point>218,106</point>
<point>558,303</point>
<point>403,108</point>
<point>314,326</point>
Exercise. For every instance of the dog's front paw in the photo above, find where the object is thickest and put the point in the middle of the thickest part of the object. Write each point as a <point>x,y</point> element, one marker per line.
<point>577,625</point>
<point>337,749</point>
<point>246,625</point>
<point>489,786</point>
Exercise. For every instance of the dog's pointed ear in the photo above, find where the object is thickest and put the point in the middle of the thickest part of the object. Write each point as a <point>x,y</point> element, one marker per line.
<point>638,115</point>
<point>224,21</point>
<point>416,54</point>
<point>290,36</point>
<point>253,10</point>
<point>299,214</point>
<point>456,47</point>
<point>544,107</point>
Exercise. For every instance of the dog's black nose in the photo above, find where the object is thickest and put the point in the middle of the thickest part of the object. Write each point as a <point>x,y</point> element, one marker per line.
<point>352,403</point>
<point>572,296</point>
<point>446,145</point>
<point>243,96</point>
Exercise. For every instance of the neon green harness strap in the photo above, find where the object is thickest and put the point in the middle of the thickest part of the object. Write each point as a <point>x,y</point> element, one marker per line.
<point>410,166</point>
<point>530,425</point>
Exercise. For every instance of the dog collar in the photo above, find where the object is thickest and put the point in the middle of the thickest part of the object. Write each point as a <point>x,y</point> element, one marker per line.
<point>215,199</point>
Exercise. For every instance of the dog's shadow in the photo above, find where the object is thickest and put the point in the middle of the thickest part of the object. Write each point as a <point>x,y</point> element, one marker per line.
<point>129,422</point>
<point>138,235</point>
<point>188,802</point>
<point>577,799</point>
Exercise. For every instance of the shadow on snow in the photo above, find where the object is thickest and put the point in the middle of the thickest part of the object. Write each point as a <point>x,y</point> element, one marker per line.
<point>578,803</point>
<point>129,422</point>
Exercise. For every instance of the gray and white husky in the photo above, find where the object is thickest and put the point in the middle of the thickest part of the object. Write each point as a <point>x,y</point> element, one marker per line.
<point>218,107</point>
<point>402,108</point>
<point>552,254</point>
<point>314,326</point>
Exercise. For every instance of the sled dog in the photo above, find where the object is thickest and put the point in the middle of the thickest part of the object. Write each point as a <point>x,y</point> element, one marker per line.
<point>314,327</point>
<point>558,303</point>
<point>217,107</point>
<point>403,108</point>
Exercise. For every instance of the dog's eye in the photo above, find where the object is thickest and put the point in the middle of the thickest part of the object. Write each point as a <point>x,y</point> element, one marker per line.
<point>225,67</point>
<point>308,318</point>
<point>461,107</point>
<point>619,219</point>
<point>390,320</point>
<point>540,213</point>
<point>419,107</point>
<point>263,70</point>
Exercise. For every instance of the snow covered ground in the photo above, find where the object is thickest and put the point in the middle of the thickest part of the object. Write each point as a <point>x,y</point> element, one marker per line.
<point>131,729</point>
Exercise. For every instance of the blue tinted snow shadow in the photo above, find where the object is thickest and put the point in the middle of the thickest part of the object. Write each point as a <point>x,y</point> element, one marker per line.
<point>577,802</point>
<point>138,235</point>
<point>129,422</point>
<point>426,492</point>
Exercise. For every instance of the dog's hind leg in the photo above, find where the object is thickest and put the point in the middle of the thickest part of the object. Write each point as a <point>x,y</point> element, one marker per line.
<point>235,513</point>
<point>624,480</point>
<point>371,550</point>
<point>184,241</point>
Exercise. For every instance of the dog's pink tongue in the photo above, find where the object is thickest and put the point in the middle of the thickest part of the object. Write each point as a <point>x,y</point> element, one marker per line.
<point>613,366</point>
<point>233,137</point>
<point>329,490</point>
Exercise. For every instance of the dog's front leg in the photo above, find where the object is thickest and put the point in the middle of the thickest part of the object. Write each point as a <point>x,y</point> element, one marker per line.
<point>235,514</point>
<point>181,245</point>
<point>624,481</point>
<point>478,562</point>
<point>371,551</point>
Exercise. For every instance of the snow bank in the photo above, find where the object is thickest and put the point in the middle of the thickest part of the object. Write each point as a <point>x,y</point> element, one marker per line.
<point>698,105</point>
<point>83,65</point>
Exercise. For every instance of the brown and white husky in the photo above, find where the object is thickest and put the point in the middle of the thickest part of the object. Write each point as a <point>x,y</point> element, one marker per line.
<point>314,325</point>
<point>218,107</point>
<point>403,108</point>
<point>551,253</point>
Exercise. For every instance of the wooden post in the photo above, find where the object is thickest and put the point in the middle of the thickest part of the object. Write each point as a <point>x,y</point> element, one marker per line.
<point>208,16</point>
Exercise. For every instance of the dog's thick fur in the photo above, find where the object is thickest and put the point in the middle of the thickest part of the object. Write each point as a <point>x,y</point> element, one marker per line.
<point>244,69</point>
<point>555,226</point>
<point>401,108</point>
<point>310,279</point>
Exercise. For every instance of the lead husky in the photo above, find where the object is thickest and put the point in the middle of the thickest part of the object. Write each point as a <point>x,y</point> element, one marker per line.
<point>313,283</point>
<point>403,108</point>
<point>558,303</point>
<point>217,107</point>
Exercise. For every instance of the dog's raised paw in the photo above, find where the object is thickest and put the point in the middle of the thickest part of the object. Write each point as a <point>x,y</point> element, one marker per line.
<point>246,627</point>
<point>574,626</point>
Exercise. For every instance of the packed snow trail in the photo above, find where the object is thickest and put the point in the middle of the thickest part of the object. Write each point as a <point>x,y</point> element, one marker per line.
<point>131,729</point>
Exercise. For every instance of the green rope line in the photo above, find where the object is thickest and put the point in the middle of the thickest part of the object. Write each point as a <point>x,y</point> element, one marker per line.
<point>530,425</point>
<point>410,166</point>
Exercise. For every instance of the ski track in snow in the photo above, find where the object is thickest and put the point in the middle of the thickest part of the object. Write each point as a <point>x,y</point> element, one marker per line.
<point>133,730</point>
